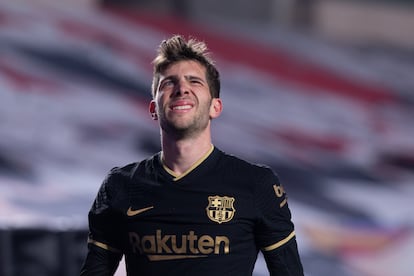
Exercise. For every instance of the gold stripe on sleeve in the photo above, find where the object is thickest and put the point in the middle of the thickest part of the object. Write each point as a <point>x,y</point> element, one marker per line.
<point>279,243</point>
<point>104,246</point>
<point>283,203</point>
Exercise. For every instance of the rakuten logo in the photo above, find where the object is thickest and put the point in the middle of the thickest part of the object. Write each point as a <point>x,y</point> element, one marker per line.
<point>166,247</point>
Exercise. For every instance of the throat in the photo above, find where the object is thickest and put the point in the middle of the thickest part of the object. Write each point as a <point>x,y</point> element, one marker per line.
<point>180,169</point>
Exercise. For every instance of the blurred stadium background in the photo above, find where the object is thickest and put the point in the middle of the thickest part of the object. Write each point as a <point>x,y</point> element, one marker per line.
<point>323,91</point>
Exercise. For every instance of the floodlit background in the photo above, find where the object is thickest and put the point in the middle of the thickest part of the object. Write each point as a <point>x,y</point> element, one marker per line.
<point>322,91</point>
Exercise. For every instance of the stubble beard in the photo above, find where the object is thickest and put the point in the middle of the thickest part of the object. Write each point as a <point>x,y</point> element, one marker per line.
<point>190,128</point>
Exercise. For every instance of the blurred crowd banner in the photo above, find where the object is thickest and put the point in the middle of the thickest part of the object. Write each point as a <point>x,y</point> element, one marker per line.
<point>335,122</point>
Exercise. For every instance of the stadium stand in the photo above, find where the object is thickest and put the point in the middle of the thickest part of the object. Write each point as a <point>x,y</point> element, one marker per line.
<point>334,121</point>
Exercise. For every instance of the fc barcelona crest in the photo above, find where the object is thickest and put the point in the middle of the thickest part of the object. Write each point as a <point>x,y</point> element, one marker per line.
<point>220,208</point>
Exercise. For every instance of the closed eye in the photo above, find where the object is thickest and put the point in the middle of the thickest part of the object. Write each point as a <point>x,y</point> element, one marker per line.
<point>168,82</point>
<point>195,80</point>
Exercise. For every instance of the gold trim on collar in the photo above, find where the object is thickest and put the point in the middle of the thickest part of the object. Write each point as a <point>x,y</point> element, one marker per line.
<point>195,165</point>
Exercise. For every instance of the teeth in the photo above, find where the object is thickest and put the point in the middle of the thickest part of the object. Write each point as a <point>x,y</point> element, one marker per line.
<point>181,107</point>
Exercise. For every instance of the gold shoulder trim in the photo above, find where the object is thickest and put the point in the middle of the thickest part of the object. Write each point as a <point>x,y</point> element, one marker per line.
<point>104,246</point>
<point>279,243</point>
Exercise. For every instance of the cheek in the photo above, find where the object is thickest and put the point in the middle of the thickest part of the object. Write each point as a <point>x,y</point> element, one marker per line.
<point>159,101</point>
<point>162,107</point>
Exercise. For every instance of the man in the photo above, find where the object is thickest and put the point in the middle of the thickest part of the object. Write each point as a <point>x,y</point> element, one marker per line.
<point>190,209</point>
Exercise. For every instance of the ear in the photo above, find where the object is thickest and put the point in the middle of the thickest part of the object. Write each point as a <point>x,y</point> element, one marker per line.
<point>153,110</point>
<point>216,108</point>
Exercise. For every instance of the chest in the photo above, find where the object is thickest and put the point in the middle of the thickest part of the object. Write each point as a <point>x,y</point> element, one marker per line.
<point>204,216</point>
<point>219,206</point>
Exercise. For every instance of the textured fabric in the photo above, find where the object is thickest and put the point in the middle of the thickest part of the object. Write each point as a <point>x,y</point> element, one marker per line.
<point>211,221</point>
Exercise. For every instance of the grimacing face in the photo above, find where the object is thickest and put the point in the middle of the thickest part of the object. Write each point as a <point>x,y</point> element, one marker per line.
<point>183,103</point>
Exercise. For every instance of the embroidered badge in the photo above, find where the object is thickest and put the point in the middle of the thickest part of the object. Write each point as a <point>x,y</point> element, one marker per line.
<point>220,208</point>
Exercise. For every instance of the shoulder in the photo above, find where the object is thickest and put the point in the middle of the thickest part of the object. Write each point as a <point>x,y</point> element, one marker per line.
<point>127,172</point>
<point>111,186</point>
<point>118,178</point>
<point>116,184</point>
<point>235,164</point>
<point>120,174</point>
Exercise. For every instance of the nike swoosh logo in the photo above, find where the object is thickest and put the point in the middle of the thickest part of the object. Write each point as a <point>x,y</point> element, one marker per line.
<point>131,213</point>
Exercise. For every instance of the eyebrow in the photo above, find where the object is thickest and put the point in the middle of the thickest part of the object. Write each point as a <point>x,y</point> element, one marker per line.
<point>187,77</point>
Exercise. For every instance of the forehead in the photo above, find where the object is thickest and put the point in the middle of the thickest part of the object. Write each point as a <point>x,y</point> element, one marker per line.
<point>185,67</point>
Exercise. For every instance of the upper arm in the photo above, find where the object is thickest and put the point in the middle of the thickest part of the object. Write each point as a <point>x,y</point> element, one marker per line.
<point>274,225</point>
<point>105,224</point>
<point>275,234</point>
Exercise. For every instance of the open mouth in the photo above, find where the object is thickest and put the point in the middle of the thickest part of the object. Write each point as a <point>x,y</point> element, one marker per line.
<point>182,107</point>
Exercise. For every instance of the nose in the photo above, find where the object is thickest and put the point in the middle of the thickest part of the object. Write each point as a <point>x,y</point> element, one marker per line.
<point>181,88</point>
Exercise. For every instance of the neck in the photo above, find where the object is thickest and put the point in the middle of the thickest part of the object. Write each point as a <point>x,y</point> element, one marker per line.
<point>180,155</point>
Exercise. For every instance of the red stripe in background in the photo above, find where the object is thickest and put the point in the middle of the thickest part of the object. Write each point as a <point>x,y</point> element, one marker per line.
<point>268,59</point>
<point>303,140</point>
<point>25,82</point>
<point>89,32</point>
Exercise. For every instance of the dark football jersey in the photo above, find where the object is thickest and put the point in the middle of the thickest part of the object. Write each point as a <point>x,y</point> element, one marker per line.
<point>211,220</point>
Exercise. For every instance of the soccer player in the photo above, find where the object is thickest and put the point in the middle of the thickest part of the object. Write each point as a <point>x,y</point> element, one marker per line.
<point>190,209</point>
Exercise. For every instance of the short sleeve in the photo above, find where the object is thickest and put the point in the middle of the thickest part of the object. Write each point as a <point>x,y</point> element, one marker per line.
<point>104,221</point>
<point>274,227</point>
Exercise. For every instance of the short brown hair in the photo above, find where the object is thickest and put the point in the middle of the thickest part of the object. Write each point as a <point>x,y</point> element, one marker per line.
<point>177,49</point>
